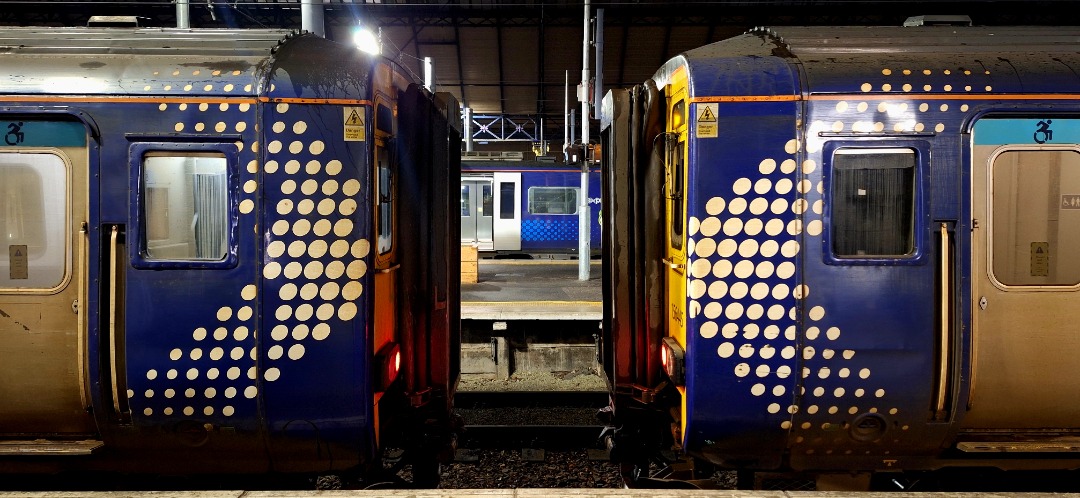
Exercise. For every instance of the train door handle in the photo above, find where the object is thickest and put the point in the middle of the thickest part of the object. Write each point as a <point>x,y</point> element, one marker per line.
<point>673,265</point>
<point>393,267</point>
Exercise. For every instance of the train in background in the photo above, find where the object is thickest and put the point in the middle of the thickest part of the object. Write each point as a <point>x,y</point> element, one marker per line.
<point>517,208</point>
<point>845,252</point>
<point>208,266</point>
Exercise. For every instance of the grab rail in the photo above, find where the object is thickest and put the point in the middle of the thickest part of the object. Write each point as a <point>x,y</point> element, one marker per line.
<point>946,320</point>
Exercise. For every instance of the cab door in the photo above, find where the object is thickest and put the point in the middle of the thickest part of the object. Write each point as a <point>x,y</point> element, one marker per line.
<point>386,266</point>
<point>1026,277</point>
<point>43,227</point>
<point>675,247</point>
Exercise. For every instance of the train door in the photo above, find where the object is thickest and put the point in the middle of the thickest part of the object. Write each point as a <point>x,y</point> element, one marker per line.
<point>477,208</point>
<point>877,292</point>
<point>178,284</point>
<point>507,214</point>
<point>43,264</point>
<point>1026,277</point>
<point>675,251</point>
<point>386,265</point>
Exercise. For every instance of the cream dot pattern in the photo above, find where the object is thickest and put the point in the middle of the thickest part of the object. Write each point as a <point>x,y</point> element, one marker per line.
<point>211,367</point>
<point>751,273</point>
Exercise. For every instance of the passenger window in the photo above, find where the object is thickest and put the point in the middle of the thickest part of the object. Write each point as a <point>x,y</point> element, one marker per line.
<point>487,206</point>
<point>508,200</point>
<point>873,203</point>
<point>466,206</point>
<point>1035,217</point>
<point>553,200</point>
<point>34,250</point>
<point>185,207</point>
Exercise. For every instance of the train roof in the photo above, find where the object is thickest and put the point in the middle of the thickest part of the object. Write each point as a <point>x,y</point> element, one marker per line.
<point>490,165</point>
<point>887,59</point>
<point>174,62</point>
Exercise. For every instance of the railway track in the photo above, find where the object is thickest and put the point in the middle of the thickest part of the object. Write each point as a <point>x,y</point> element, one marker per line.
<point>552,420</point>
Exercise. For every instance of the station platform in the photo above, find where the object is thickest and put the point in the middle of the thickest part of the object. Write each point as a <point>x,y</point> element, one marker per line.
<point>518,493</point>
<point>538,289</point>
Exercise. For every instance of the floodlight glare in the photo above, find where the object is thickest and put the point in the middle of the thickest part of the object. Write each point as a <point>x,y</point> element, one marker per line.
<point>366,40</point>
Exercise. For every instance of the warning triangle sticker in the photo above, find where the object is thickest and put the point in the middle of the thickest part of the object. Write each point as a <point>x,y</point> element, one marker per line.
<point>354,119</point>
<point>707,115</point>
<point>18,253</point>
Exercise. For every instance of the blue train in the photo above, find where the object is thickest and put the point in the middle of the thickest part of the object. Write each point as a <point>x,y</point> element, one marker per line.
<point>207,263</point>
<point>845,252</point>
<point>526,208</point>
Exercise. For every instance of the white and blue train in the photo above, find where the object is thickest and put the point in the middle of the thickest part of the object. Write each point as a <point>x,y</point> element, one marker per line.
<point>207,266</point>
<point>847,251</point>
<point>527,208</point>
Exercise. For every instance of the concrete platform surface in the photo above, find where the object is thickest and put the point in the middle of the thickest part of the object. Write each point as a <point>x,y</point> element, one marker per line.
<point>532,290</point>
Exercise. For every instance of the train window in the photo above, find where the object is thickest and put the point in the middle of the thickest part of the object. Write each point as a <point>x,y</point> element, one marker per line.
<point>185,206</point>
<point>466,205</point>
<point>384,119</point>
<point>508,200</point>
<point>553,200</point>
<point>1036,217</point>
<point>385,238</point>
<point>674,187</point>
<point>873,202</point>
<point>33,231</point>
<point>487,201</point>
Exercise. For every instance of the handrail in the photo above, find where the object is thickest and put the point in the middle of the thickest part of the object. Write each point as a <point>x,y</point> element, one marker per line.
<point>113,367</point>
<point>80,312</point>
<point>946,319</point>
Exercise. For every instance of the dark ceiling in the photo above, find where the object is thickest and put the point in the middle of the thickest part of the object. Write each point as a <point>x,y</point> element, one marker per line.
<point>512,59</point>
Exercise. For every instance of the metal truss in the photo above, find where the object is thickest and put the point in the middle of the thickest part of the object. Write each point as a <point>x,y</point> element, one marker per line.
<point>493,128</point>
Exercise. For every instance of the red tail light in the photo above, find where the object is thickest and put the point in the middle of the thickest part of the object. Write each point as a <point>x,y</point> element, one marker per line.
<point>672,358</point>
<point>388,363</point>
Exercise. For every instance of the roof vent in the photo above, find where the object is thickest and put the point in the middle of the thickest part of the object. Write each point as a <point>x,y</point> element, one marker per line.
<point>113,22</point>
<point>938,21</point>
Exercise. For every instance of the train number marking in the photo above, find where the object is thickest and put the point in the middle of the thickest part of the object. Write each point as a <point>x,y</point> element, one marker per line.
<point>676,314</point>
<point>354,124</point>
<point>706,121</point>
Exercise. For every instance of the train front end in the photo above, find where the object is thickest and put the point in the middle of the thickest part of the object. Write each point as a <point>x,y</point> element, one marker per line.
<point>195,271</point>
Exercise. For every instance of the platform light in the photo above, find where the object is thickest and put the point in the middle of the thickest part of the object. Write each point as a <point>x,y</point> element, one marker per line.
<point>367,40</point>
<point>672,358</point>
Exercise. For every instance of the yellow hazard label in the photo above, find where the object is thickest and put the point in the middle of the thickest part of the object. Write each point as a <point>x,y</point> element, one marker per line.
<point>705,124</point>
<point>355,128</point>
